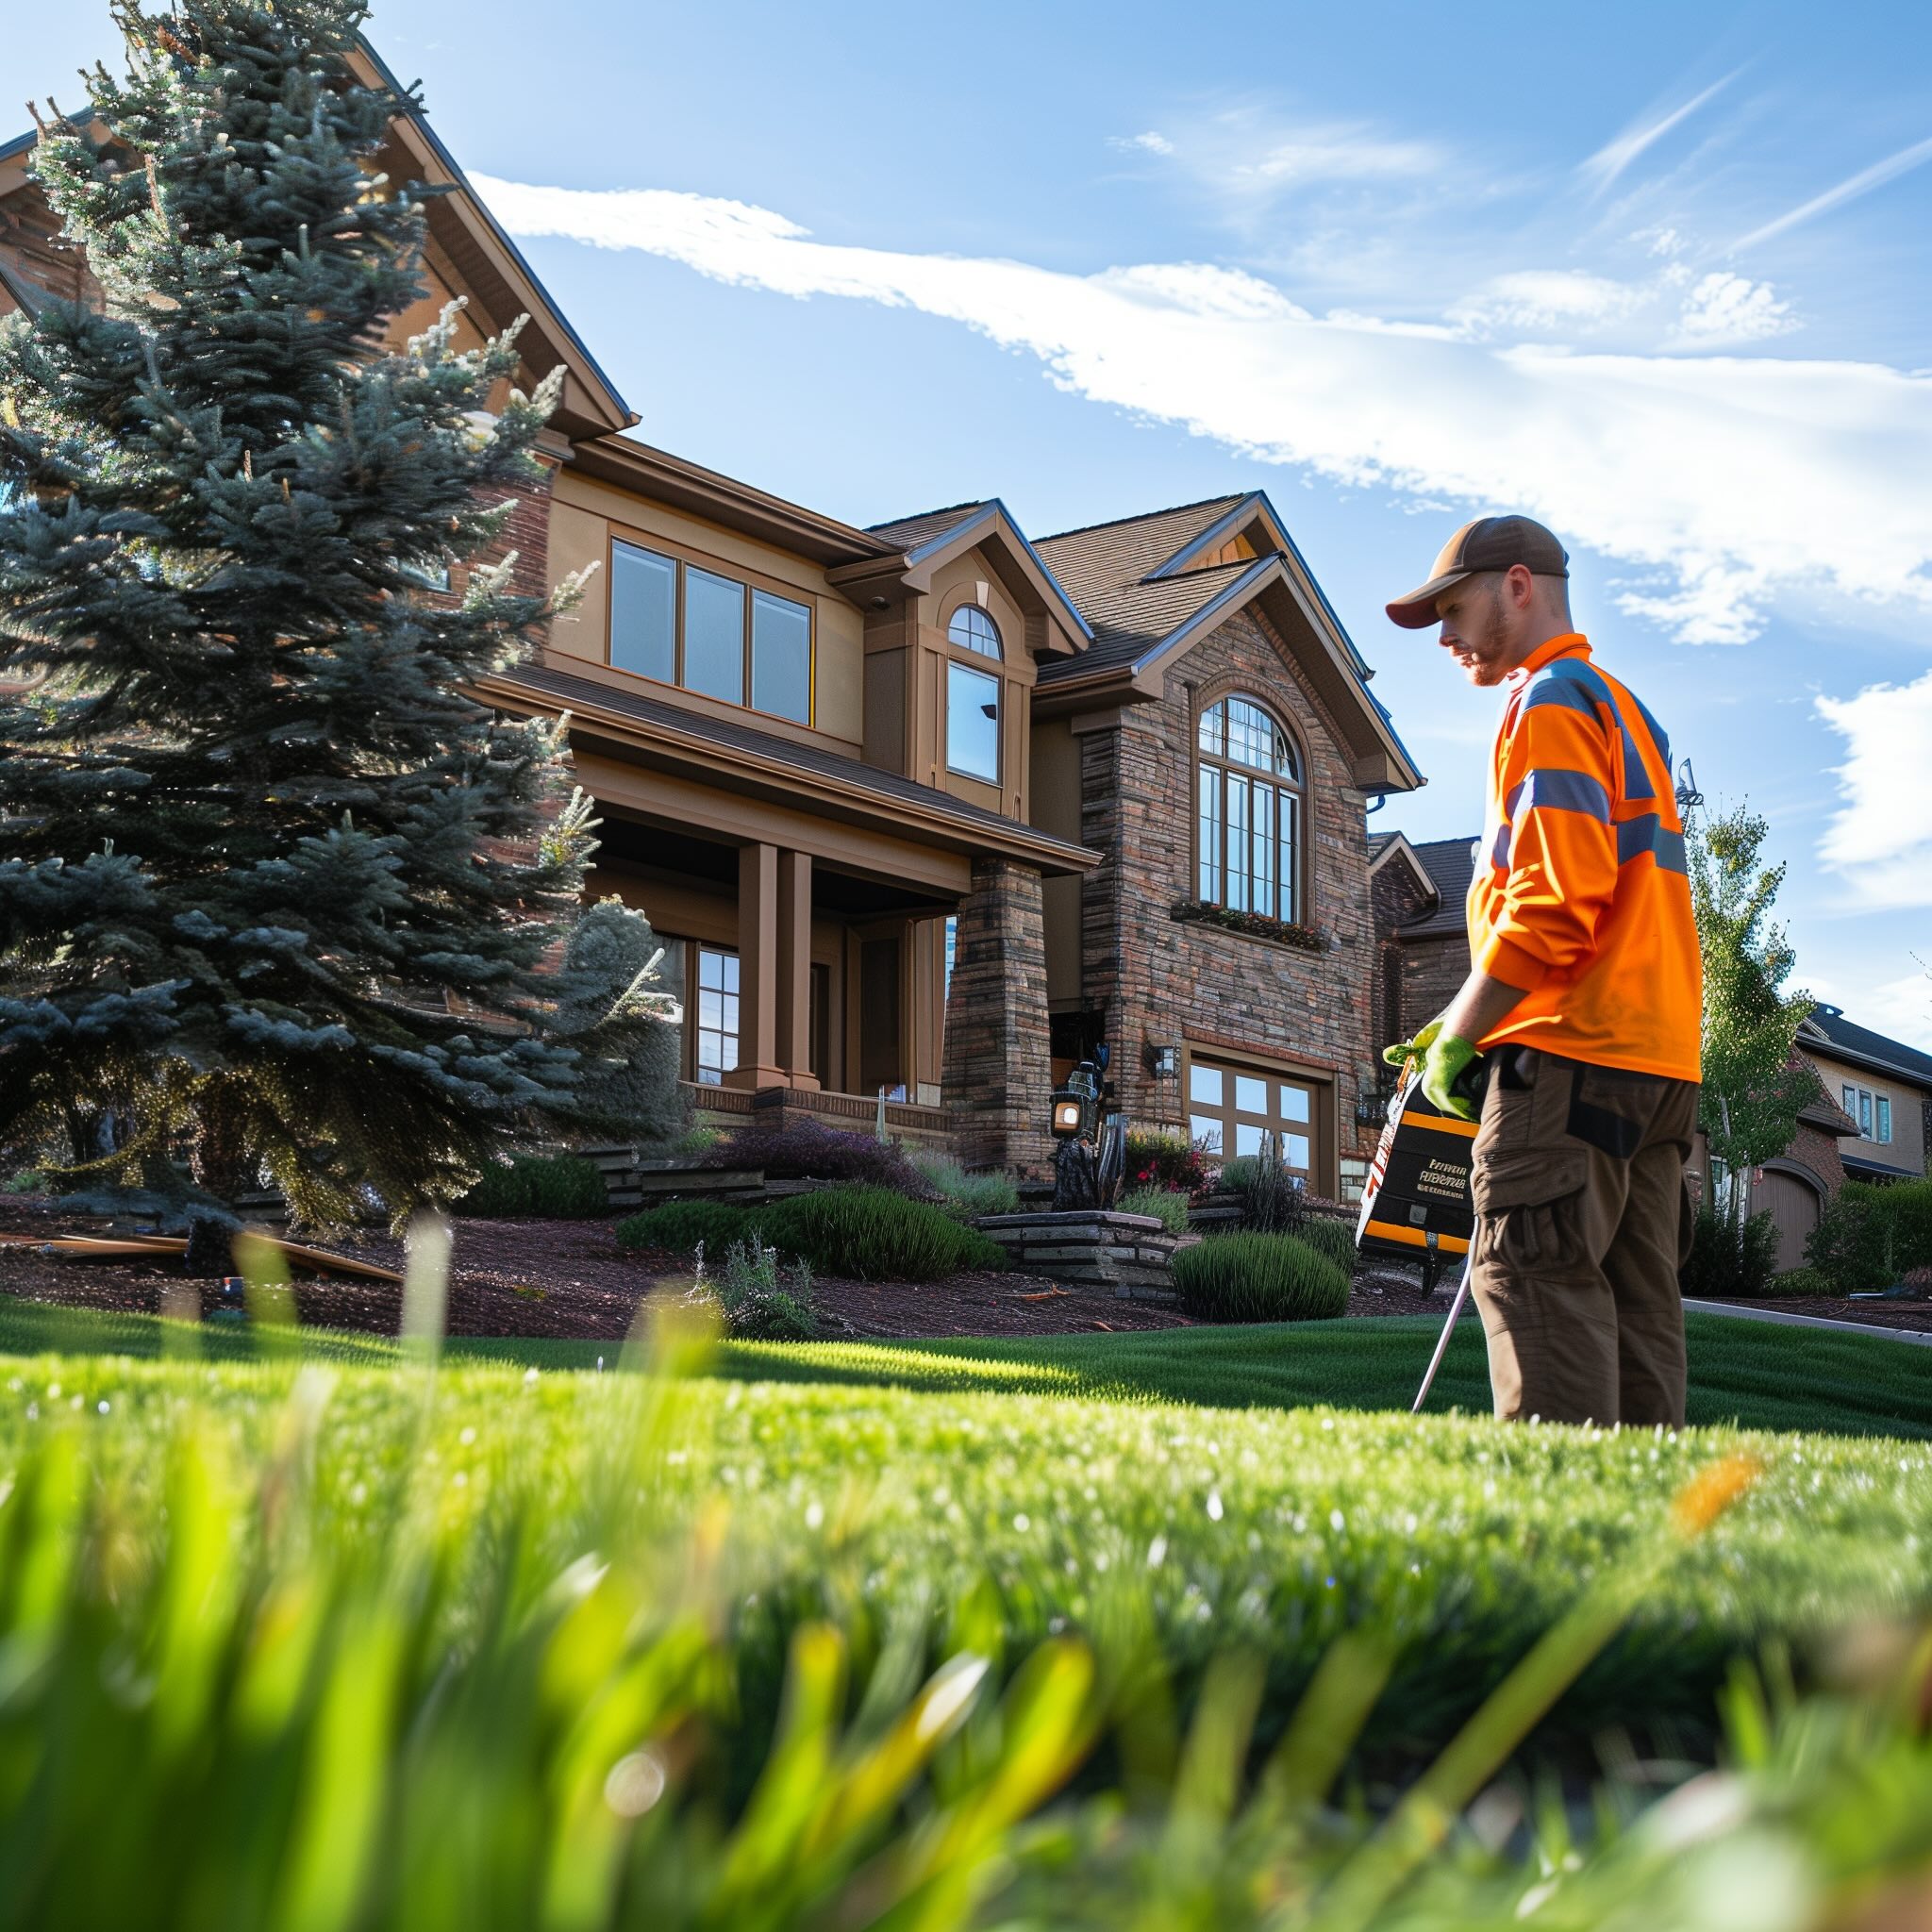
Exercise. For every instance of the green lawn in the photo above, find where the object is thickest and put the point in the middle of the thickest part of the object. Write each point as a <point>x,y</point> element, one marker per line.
<point>1756,1374</point>
<point>531,1570</point>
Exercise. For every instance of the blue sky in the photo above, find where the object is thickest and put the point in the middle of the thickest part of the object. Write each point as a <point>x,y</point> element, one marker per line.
<point>1657,274</point>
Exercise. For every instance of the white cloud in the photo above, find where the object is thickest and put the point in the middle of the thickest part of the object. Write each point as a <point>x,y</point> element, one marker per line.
<point>1862,183</point>
<point>1727,480</point>
<point>1725,308</point>
<point>1615,156</point>
<point>1881,841</point>
<point>1901,1009</point>
<point>1550,298</point>
<point>1335,154</point>
<point>1153,142</point>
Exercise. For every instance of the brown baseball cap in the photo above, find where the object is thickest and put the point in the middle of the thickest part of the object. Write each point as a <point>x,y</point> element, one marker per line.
<point>1489,543</point>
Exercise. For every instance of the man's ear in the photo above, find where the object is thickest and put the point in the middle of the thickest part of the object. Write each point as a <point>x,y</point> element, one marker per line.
<point>1518,585</point>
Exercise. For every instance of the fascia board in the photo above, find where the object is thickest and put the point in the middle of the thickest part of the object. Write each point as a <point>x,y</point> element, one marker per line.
<point>992,518</point>
<point>1212,537</point>
<point>795,785</point>
<point>413,119</point>
<point>1826,1047</point>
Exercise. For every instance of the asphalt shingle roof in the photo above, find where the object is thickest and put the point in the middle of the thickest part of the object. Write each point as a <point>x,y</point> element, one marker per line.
<point>908,533</point>
<point>1108,557</point>
<point>1831,1022</point>
<point>1451,863</point>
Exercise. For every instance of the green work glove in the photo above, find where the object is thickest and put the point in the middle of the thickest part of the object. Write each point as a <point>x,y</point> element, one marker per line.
<point>1406,1050</point>
<point>1449,1053</point>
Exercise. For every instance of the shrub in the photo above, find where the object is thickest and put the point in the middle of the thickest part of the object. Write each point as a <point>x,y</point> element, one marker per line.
<point>1797,1281</point>
<point>805,1151</point>
<point>554,1187</point>
<point>28,1181</point>
<point>1918,1279</point>
<point>966,1194</point>
<point>1259,1278</point>
<point>1166,1160</point>
<point>1727,1259</point>
<point>1335,1239</point>
<point>874,1234</point>
<point>677,1226</point>
<point>757,1299</point>
<point>1168,1205</point>
<point>1869,1236</point>
<point>1271,1201</point>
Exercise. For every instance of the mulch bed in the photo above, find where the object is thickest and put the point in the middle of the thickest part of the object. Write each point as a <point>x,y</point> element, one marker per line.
<point>1876,1314</point>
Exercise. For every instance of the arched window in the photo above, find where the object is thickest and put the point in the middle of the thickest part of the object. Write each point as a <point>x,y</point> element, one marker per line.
<point>1248,812</point>
<point>972,629</point>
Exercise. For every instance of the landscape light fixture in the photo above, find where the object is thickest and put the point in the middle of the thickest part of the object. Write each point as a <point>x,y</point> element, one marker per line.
<point>1165,1060</point>
<point>1069,1110</point>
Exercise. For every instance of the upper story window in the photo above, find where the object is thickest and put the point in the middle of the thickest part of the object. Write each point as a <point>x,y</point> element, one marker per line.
<point>682,625</point>
<point>1248,812</point>
<point>972,697</point>
<point>972,629</point>
<point>1873,1112</point>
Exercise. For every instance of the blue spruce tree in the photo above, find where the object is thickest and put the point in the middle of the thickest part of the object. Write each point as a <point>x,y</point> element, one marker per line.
<point>254,835</point>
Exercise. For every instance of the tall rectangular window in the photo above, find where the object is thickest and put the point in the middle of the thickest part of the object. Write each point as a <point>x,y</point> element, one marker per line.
<point>644,613</point>
<point>972,723</point>
<point>713,636</point>
<point>1238,875</point>
<point>1864,1114</point>
<point>780,657</point>
<point>1884,1118</point>
<point>717,1015</point>
<point>1210,835</point>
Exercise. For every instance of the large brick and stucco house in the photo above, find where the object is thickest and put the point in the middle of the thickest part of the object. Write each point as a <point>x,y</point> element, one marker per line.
<point>929,806</point>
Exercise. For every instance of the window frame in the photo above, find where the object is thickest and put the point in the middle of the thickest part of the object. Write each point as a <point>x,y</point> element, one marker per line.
<point>694,1000</point>
<point>751,583</point>
<point>1295,788</point>
<point>994,669</point>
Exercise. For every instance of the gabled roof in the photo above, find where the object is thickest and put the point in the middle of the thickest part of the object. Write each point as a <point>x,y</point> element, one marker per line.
<point>1393,848</point>
<point>489,264</point>
<point>1451,865</point>
<point>1827,1030</point>
<point>911,533</point>
<point>1149,598</point>
<point>912,548</point>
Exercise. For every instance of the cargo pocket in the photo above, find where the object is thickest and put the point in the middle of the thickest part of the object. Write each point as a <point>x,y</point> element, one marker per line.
<point>1525,1204</point>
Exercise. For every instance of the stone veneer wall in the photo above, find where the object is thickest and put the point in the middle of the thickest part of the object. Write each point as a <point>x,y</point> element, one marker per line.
<point>1158,979</point>
<point>1430,971</point>
<point>1395,894</point>
<point>997,1075</point>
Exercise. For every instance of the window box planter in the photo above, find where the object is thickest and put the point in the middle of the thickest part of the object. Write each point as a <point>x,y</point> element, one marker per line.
<point>1254,925</point>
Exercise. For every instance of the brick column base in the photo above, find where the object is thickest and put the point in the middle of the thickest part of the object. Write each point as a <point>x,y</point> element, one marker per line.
<point>998,1072</point>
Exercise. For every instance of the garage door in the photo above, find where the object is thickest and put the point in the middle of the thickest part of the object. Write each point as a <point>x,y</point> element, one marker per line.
<point>1793,1205</point>
<point>1229,1109</point>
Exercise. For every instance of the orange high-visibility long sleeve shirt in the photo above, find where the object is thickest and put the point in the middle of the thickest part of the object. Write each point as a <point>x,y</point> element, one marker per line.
<point>1581,895</point>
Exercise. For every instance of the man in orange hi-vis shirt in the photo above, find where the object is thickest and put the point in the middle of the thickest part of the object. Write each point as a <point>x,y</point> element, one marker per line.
<point>1584,996</point>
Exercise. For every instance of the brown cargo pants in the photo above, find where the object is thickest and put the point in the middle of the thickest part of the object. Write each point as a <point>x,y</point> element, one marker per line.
<point>1583,1220</point>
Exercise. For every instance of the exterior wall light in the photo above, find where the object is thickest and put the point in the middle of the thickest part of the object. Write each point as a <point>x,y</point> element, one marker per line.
<point>1069,1112</point>
<point>1164,1062</point>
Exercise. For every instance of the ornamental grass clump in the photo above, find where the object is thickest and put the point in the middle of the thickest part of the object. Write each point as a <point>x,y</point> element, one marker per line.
<point>805,1151</point>
<point>756,1296</point>
<point>1259,1278</point>
<point>1334,1239</point>
<point>678,1228</point>
<point>556,1186</point>
<point>967,1194</point>
<point>874,1234</point>
<point>1168,1205</point>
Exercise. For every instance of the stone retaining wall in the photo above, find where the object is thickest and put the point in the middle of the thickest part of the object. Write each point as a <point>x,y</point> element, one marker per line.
<point>1130,1254</point>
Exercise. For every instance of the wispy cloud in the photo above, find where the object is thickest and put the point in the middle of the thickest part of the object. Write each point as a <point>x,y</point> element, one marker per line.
<point>1864,182</point>
<point>1881,841</point>
<point>1547,299</point>
<point>1336,154</point>
<point>1726,480</point>
<point>1609,160</point>
<point>1153,142</point>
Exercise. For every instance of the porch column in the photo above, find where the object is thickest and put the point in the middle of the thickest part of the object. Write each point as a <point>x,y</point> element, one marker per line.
<point>998,1066</point>
<point>794,969</point>
<point>758,969</point>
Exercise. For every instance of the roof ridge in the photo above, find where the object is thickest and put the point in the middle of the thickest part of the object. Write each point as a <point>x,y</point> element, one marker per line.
<point>1144,516</point>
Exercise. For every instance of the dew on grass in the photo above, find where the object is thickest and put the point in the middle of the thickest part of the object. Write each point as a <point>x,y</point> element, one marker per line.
<point>1157,1553</point>
<point>1337,1520</point>
<point>102,1405</point>
<point>468,1435</point>
<point>1214,1505</point>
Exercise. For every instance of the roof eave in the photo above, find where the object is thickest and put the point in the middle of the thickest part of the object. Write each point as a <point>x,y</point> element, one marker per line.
<point>739,767</point>
<point>1822,1041</point>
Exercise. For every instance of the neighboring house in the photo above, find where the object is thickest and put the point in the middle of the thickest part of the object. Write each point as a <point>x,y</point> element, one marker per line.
<point>1882,1085</point>
<point>1422,927</point>
<point>930,809</point>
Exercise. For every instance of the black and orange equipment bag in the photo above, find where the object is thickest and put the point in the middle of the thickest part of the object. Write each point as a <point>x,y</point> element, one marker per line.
<point>1418,1206</point>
